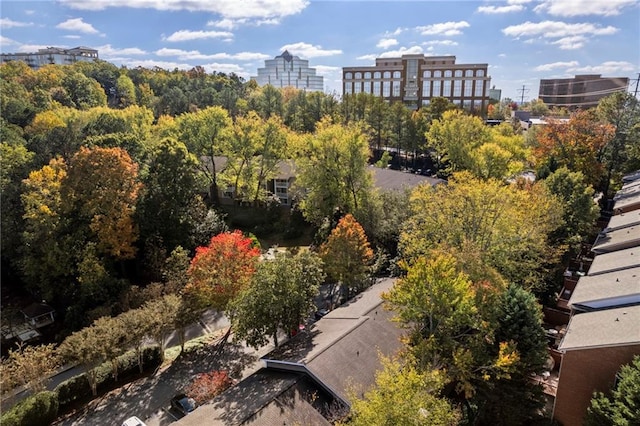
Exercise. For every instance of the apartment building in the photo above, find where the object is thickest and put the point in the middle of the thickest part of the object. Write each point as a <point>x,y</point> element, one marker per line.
<point>52,55</point>
<point>288,70</point>
<point>416,79</point>
<point>582,91</point>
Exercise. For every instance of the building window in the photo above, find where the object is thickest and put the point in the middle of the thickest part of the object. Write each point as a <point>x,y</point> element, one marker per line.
<point>458,73</point>
<point>358,75</point>
<point>367,87</point>
<point>447,73</point>
<point>426,89</point>
<point>446,88</point>
<point>426,102</point>
<point>437,74</point>
<point>412,69</point>
<point>348,88</point>
<point>479,87</point>
<point>468,73</point>
<point>367,75</point>
<point>357,87</point>
<point>348,76</point>
<point>396,74</point>
<point>468,86</point>
<point>426,74</point>
<point>457,88</point>
<point>387,74</point>
<point>376,88</point>
<point>466,104</point>
<point>477,104</point>
<point>376,74</point>
<point>396,88</point>
<point>386,89</point>
<point>436,88</point>
<point>480,73</point>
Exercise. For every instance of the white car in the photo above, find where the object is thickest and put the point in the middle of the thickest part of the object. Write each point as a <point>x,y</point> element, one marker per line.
<point>133,421</point>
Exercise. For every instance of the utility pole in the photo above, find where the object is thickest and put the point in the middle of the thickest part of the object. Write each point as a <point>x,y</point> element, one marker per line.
<point>635,92</point>
<point>523,90</point>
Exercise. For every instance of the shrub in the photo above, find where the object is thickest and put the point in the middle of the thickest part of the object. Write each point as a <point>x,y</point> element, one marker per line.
<point>207,385</point>
<point>35,410</point>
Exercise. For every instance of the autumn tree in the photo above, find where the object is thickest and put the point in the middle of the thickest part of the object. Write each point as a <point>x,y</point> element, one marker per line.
<point>403,395</point>
<point>347,255</point>
<point>100,192</point>
<point>332,171</point>
<point>449,328</point>
<point>206,386</point>
<point>280,298</point>
<point>620,406</point>
<point>220,271</point>
<point>506,226</point>
<point>575,144</point>
<point>114,340</point>
<point>29,366</point>
<point>84,348</point>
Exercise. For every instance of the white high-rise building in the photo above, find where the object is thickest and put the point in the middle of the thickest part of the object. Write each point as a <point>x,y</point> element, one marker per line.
<point>288,70</point>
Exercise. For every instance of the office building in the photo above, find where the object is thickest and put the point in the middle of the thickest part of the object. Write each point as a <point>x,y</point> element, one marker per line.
<point>416,79</point>
<point>288,70</point>
<point>582,91</point>
<point>52,55</point>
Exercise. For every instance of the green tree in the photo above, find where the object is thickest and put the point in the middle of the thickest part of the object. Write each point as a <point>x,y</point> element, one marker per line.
<point>332,171</point>
<point>403,395</point>
<point>125,90</point>
<point>206,133</point>
<point>579,209</point>
<point>162,317</point>
<point>347,255</point>
<point>621,406</point>
<point>279,298</point>
<point>114,340</point>
<point>84,348</point>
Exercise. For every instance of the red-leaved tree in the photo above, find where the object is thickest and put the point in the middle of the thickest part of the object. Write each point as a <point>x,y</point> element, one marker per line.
<point>221,270</point>
<point>207,385</point>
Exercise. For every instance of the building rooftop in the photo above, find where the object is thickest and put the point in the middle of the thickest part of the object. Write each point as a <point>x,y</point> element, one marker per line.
<point>628,198</point>
<point>615,261</point>
<point>607,290</point>
<point>618,239</point>
<point>623,220</point>
<point>611,327</point>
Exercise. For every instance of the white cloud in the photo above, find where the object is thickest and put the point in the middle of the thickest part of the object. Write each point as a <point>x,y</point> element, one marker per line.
<point>29,12</point>
<point>187,35</point>
<point>554,65</point>
<point>606,68</point>
<point>495,10</point>
<point>77,24</point>
<point>72,37</point>
<point>371,57</point>
<point>445,28</point>
<point>584,7</point>
<point>413,50</point>
<point>326,69</point>
<point>395,32</point>
<point>226,24</point>
<point>440,43</point>
<point>4,41</point>
<point>108,51</point>
<point>225,68</point>
<point>150,63</point>
<point>196,55</point>
<point>556,29</point>
<point>386,43</point>
<point>232,9</point>
<point>570,43</point>
<point>6,23</point>
<point>306,50</point>
<point>35,47</point>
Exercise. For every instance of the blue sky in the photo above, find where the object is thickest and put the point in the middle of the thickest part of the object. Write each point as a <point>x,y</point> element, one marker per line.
<point>523,41</point>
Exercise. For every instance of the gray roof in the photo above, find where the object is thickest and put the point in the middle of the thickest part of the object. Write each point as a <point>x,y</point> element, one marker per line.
<point>611,327</point>
<point>342,351</point>
<point>607,290</point>
<point>618,239</point>
<point>395,180</point>
<point>623,220</point>
<point>615,261</point>
<point>628,198</point>
<point>634,176</point>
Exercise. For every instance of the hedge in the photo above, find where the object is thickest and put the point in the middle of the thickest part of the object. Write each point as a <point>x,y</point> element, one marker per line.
<point>35,410</point>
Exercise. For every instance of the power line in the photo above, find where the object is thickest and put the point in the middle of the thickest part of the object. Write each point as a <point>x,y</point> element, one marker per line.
<point>523,90</point>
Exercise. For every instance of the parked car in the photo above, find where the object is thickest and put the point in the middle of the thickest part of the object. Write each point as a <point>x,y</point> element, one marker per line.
<point>133,421</point>
<point>183,404</point>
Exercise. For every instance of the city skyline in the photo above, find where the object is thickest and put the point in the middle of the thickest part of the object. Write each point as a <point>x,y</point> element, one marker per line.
<point>523,41</point>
